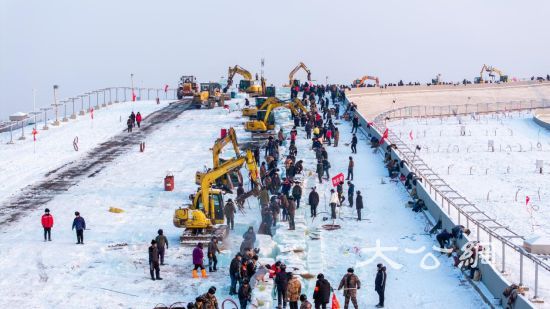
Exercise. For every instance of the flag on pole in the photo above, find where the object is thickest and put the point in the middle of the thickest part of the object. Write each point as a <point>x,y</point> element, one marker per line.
<point>34,132</point>
<point>165,88</point>
<point>384,136</point>
<point>411,135</point>
<point>133,96</point>
<point>527,199</point>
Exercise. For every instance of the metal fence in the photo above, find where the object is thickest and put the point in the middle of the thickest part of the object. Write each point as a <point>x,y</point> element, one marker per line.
<point>81,104</point>
<point>508,254</point>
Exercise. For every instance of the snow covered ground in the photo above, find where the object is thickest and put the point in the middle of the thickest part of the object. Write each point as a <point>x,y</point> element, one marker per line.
<point>498,181</point>
<point>26,161</point>
<point>100,274</point>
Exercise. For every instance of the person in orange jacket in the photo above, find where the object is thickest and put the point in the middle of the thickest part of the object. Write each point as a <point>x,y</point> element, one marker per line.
<point>47,224</point>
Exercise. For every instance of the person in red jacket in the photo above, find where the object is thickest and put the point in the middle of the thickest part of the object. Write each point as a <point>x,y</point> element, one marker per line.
<point>47,224</point>
<point>138,119</point>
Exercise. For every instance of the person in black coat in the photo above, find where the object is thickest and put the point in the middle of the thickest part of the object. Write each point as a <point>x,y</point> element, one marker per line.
<point>245,294</point>
<point>281,280</point>
<point>313,201</point>
<point>354,144</point>
<point>321,293</point>
<point>235,273</point>
<point>380,284</point>
<point>443,238</point>
<point>359,204</point>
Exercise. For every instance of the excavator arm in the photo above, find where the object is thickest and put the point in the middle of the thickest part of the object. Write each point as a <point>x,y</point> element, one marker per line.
<point>301,65</point>
<point>232,71</point>
<point>492,70</point>
<point>221,143</point>
<point>298,104</point>
<point>210,177</point>
<point>360,82</point>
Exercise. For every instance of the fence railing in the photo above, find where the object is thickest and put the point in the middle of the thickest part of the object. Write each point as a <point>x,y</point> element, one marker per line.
<point>81,104</point>
<point>509,253</point>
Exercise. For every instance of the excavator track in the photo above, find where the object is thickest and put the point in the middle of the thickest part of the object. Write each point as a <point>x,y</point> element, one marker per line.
<point>219,231</point>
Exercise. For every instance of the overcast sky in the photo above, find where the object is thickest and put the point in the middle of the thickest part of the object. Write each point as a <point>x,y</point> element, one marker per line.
<point>89,44</point>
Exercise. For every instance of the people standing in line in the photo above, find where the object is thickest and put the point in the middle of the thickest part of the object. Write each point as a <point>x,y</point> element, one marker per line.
<point>154,268</point>
<point>350,283</point>
<point>79,224</point>
<point>291,213</point>
<point>293,291</point>
<point>351,190</point>
<point>313,201</point>
<point>138,119</point>
<point>198,256</point>
<point>281,280</point>
<point>320,171</point>
<point>212,251</point>
<point>380,284</point>
<point>336,136</point>
<point>354,144</point>
<point>326,167</point>
<point>133,118</point>
<point>129,124</point>
<point>47,224</point>
<point>235,273</point>
<point>305,304</point>
<point>297,194</point>
<point>334,201</point>
<point>351,165</point>
<point>162,244</point>
<point>230,211</point>
<point>359,204</point>
<point>321,293</point>
<point>245,294</point>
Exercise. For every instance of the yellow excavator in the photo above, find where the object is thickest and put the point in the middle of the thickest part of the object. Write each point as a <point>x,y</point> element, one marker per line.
<point>204,217</point>
<point>230,137</point>
<point>295,82</point>
<point>247,84</point>
<point>491,70</point>
<point>361,82</point>
<point>264,119</point>
<point>252,111</point>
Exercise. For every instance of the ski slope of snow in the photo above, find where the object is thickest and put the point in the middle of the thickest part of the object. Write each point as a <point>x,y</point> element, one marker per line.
<point>111,269</point>
<point>26,161</point>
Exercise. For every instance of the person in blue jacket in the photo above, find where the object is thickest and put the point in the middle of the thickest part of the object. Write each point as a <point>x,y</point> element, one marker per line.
<point>79,225</point>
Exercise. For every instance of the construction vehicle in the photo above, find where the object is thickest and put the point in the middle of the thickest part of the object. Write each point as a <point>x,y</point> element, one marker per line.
<point>491,70</point>
<point>361,82</point>
<point>247,84</point>
<point>204,217</point>
<point>209,95</point>
<point>187,87</point>
<point>295,82</point>
<point>261,103</point>
<point>265,121</point>
<point>437,80</point>
<point>231,179</point>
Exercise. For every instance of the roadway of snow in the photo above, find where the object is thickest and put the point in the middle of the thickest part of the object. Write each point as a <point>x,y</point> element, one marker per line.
<point>24,162</point>
<point>60,274</point>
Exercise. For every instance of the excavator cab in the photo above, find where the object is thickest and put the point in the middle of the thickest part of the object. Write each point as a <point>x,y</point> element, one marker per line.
<point>259,125</point>
<point>216,205</point>
<point>244,84</point>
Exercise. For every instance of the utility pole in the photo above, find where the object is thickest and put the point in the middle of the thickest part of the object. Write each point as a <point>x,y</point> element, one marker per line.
<point>55,105</point>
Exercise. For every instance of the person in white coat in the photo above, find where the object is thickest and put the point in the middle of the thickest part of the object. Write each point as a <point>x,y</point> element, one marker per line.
<point>334,202</point>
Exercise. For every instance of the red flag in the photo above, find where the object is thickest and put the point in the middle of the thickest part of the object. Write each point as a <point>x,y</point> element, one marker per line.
<point>133,96</point>
<point>92,113</point>
<point>527,199</point>
<point>34,132</point>
<point>337,179</point>
<point>411,135</point>
<point>165,88</point>
<point>335,303</point>
<point>384,136</point>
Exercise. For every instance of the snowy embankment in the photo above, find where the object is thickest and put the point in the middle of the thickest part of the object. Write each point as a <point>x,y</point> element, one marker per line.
<point>111,271</point>
<point>26,161</point>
